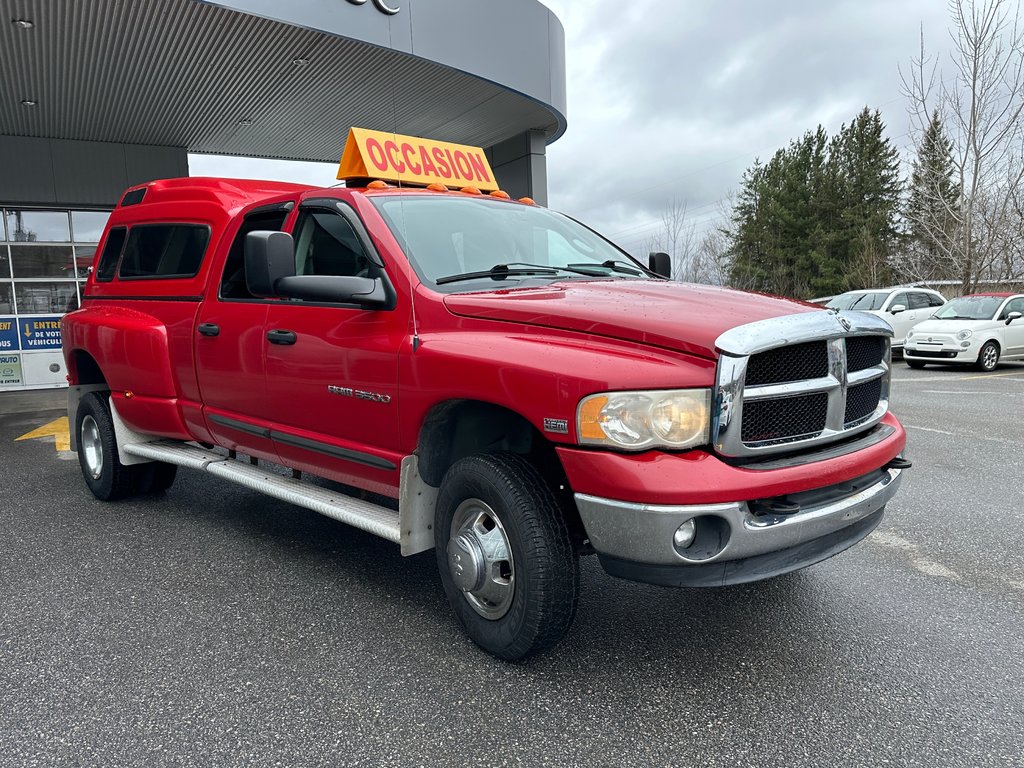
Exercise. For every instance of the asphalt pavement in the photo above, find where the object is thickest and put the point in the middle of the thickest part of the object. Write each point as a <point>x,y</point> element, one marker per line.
<point>209,626</point>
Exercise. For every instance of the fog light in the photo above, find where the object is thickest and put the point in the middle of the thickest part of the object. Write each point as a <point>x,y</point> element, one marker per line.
<point>965,344</point>
<point>683,537</point>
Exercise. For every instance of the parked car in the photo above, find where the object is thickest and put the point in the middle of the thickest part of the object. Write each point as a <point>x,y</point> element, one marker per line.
<point>902,308</point>
<point>976,330</point>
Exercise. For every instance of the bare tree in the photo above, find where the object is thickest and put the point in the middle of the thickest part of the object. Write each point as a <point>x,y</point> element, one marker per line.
<point>982,108</point>
<point>677,238</point>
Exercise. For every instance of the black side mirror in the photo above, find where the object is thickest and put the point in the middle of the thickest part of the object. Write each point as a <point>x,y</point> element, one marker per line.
<point>660,264</point>
<point>269,257</point>
<point>366,292</point>
<point>1013,316</point>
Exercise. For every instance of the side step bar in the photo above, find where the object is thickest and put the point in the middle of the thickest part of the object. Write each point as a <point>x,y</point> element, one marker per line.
<point>372,518</point>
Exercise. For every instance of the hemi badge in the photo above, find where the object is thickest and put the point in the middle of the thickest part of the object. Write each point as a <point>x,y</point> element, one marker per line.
<point>560,426</point>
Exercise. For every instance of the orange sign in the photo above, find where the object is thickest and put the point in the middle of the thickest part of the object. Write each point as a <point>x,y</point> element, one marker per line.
<point>410,160</point>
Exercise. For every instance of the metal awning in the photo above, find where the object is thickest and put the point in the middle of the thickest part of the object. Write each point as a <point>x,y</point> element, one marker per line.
<point>188,74</point>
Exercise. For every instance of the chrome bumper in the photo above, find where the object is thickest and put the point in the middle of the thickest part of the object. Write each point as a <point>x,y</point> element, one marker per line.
<point>642,533</point>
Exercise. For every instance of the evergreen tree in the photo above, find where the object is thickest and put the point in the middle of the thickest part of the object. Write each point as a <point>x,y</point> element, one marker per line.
<point>820,216</point>
<point>931,209</point>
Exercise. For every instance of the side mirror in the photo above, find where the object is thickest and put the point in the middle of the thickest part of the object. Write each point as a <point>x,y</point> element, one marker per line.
<point>895,309</point>
<point>366,292</point>
<point>660,264</point>
<point>1013,316</point>
<point>269,257</point>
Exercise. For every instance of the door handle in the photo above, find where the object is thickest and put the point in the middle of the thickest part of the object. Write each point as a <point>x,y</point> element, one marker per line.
<point>279,336</point>
<point>209,329</point>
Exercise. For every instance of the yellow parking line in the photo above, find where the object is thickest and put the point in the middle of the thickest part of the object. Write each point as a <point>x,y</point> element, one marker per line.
<point>991,375</point>
<point>58,428</point>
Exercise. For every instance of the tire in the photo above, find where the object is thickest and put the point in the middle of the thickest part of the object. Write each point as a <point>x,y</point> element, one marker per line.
<point>106,476</point>
<point>988,357</point>
<point>505,557</point>
<point>915,364</point>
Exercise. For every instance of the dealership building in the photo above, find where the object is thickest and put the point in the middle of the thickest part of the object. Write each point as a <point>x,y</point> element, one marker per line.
<point>97,96</point>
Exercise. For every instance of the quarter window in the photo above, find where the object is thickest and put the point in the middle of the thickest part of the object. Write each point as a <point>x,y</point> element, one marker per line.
<point>918,301</point>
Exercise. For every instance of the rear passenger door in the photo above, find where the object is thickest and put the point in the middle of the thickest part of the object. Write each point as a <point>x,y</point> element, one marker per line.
<point>332,369</point>
<point>230,349</point>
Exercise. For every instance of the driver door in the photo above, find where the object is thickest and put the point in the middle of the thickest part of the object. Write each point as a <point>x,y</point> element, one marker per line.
<point>332,369</point>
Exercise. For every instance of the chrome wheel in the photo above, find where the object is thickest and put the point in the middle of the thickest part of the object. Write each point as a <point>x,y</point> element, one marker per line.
<point>989,357</point>
<point>480,559</point>
<point>92,447</point>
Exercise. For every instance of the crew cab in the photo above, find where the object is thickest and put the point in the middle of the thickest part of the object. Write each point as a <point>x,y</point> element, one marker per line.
<point>455,370</point>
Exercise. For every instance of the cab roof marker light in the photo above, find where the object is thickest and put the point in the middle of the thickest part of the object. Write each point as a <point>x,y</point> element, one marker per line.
<point>527,200</point>
<point>437,187</point>
<point>471,191</point>
<point>378,184</point>
<point>502,194</point>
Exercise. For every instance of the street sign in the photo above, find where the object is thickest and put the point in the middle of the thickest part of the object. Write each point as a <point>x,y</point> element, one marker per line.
<point>39,332</point>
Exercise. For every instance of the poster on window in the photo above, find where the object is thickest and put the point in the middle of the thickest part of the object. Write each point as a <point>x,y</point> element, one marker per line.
<point>8,335</point>
<point>39,332</point>
<point>10,369</point>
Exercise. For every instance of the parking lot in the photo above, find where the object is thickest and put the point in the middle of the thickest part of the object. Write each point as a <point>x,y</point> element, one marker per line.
<point>212,626</point>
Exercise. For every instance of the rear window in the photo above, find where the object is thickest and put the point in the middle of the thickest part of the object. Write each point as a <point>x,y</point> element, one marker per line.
<point>164,251</point>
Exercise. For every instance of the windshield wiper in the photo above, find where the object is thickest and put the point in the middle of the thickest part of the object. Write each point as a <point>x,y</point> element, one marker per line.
<point>614,265</point>
<point>499,272</point>
<point>514,268</point>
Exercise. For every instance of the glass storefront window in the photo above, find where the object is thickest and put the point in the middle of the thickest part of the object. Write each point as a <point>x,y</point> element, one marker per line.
<point>42,261</point>
<point>38,226</point>
<point>5,264</point>
<point>87,226</point>
<point>42,298</point>
<point>6,299</point>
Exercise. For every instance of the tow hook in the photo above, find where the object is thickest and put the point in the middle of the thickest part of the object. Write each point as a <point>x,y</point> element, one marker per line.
<point>899,463</point>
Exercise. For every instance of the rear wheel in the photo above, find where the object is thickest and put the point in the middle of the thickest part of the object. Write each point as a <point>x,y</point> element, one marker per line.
<point>505,557</point>
<point>988,357</point>
<point>106,476</point>
<point>913,363</point>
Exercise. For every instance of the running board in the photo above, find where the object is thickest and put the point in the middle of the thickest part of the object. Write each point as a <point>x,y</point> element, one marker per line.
<point>372,518</point>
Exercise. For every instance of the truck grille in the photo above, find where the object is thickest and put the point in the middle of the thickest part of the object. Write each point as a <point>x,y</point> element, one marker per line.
<point>831,380</point>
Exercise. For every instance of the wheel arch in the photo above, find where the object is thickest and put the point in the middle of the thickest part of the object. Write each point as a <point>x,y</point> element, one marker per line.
<point>455,429</point>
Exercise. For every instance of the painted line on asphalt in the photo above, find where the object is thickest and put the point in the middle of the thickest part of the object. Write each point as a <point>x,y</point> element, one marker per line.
<point>929,429</point>
<point>991,375</point>
<point>58,429</point>
<point>968,392</point>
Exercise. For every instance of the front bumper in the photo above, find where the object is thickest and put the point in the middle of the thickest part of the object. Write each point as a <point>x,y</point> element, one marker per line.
<point>942,349</point>
<point>736,542</point>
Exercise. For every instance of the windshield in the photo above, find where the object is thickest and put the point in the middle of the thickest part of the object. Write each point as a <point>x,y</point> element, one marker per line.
<point>460,241</point>
<point>970,308</point>
<point>859,301</point>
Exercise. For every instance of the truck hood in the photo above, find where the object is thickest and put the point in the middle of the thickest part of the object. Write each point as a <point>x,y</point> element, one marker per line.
<point>678,316</point>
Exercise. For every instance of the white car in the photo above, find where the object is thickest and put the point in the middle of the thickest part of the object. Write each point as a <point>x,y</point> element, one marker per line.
<point>902,308</point>
<point>977,330</point>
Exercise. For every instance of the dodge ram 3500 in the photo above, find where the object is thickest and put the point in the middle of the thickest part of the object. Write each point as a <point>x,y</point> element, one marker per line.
<point>482,376</point>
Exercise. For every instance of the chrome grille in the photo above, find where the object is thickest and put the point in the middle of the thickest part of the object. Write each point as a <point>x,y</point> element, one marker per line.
<point>777,366</point>
<point>800,381</point>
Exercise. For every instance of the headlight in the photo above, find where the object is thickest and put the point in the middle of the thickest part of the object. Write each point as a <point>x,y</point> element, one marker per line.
<point>673,418</point>
<point>964,335</point>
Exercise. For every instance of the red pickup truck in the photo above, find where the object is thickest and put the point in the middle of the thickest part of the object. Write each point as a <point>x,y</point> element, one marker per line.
<point>482,376</point>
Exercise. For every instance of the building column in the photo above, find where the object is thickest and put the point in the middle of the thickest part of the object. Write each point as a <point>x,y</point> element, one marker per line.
<point>520,165</point>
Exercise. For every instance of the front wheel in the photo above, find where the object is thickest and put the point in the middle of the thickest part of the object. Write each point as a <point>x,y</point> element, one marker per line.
<point>505,557</point>
<point>988,357</point>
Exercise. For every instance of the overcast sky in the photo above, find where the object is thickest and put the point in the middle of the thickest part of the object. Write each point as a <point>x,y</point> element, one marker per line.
<point>678,97</point>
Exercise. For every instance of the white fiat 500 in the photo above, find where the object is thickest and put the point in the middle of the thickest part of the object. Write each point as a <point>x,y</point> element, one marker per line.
<point>902,308</point>
<point>978,330</point>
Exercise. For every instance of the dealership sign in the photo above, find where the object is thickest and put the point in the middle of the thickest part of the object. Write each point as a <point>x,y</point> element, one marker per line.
<point>411,160</point>
<point>381,6</point>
